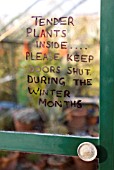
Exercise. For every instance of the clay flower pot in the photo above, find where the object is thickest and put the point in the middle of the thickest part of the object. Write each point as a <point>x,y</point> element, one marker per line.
<point>76,119</point>
<point>20,126</point>
<point>25,119</point>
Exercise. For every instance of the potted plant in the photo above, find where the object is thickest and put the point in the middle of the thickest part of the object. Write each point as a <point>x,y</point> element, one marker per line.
<point>27,119</point>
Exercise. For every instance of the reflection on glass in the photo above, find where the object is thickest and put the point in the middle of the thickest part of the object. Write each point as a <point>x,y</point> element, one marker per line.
<point>41,81</point>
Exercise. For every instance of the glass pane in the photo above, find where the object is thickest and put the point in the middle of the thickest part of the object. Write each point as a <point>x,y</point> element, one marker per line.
<point>29,161</point>
<point>49,66</point>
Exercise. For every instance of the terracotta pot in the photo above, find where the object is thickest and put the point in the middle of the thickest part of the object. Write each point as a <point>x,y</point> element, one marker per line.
<point>76,119</point>
<point>82,165</point>
<point>20,126</point>
<point>27,119</point>
<point>77,123</point>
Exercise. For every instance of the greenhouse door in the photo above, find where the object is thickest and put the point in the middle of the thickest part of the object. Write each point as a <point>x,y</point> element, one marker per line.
<point>67,145</point>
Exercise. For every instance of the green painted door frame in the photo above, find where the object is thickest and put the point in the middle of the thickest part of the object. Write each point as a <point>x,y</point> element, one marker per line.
<point>42,143</point>
<point>65,144</point>
<point>106,140</point>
